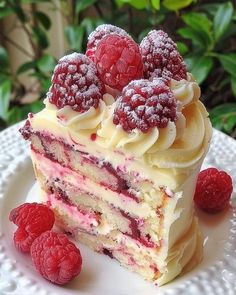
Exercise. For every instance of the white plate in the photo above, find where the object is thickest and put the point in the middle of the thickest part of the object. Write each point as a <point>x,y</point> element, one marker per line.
<point>100,275</point>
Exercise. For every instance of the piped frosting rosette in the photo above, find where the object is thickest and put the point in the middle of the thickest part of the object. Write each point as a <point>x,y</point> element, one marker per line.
<point>181,143</point>
<point>87,120</point>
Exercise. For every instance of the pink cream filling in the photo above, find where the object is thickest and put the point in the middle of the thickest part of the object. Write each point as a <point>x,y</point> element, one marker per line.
<point>54,169</point>
<point>85,219</point>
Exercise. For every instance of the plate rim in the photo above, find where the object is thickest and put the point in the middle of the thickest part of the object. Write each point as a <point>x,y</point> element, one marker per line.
<point>14,154</point>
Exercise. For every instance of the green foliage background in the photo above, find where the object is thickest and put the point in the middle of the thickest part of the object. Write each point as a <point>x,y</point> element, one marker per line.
<point>205,32</point>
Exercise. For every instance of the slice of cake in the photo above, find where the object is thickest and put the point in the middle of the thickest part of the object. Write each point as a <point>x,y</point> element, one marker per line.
<point>117,150</point>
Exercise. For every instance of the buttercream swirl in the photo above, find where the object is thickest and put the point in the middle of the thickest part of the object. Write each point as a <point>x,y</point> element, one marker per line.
<point>181,144</point>
<point>186,91</point>
<point>79,121</point>
<point>173,146</point>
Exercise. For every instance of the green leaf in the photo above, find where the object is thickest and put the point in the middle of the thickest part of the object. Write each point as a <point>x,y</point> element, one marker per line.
<point>197,21</point>
<point>43,19</point>
<point>233,85</point>
<point>74,35</point>
<point>176,5</point>
<point>199,66</point>
<point>16,114</point>
<point>156,4</point>
<point>88,24</point>
<point>20,13</point>
<point>4,59</point>
<point>228,62</point>
<point>36,106</point>
<point>201,26</point>
<point>138,4</point>
<point>26,67</point>
<point>210,8</point>
<point>83,4</point>
<point>222,19</point>
<point>182,47</point>
<point>40,37</point>
<point>46,63</point>
<point>5,11</point>
<point>5,92</point>
<point>46,83</point>
<point>34,1</point>
<point>234,16</point>
<point>223,117</point>
<point>196,37</point>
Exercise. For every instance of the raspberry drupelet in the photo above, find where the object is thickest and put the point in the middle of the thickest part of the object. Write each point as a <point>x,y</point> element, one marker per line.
<point>101,32</point>
<point>32,219</point>
<point>213,190</point>
<point>161,57</point>
<point>118,61</point>
<point>75,83</point>
<point>145,104</point>
<point>56,258</point>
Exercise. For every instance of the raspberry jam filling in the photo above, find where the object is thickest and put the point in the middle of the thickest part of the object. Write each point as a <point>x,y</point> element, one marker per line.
<point>134,223</point>
<point>107,252</point>
<point>135,231</point>
<point>85,216</point>
<point>118,184</point>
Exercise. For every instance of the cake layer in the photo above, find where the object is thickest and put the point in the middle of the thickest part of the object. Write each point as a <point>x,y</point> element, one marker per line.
<point>127,195</point>
<point>103,227</point>
<point>112,215</point>
<point>131,253</point>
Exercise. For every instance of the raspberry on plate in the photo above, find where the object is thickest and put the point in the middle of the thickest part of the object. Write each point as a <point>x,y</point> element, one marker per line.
<point>145,104</point>
<point>56,258</point>
<point>32,219</point>
<point>213,190</point>
<point>75,83</point>
<point>118,61</point>
<point>97,35</point>
<point>161,57</point>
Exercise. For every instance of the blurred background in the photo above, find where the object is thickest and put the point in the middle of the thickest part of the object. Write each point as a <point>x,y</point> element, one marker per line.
<point>34,34</point>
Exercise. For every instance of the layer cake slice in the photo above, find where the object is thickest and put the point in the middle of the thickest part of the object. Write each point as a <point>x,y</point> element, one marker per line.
<point>118,163</point>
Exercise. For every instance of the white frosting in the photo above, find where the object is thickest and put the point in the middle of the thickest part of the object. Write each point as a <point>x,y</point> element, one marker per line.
<point>169,157</point>
<point>77,121</point>
<point>173,146</point>
<point>186,91</point>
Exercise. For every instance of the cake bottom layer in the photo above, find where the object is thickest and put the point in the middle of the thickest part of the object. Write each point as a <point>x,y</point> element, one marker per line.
<point>183,256</point>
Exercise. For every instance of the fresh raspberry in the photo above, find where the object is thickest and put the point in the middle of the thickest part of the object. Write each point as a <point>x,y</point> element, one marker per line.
<point>97,35</point>
<point>213,190</point>
<point>75,83</point>
<point>118,61</point>
<point>145,104</point>
<point>23,239</point>
<point>161,57</point>
<point>56,258</point>
<point>32,219</point>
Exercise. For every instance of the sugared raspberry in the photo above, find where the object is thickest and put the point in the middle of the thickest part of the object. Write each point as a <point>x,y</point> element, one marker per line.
<point>118,61</point>
<point>55,257</point>
<point>97,35</point>
<point>161,57</point>
<point>32,219</point>
<point>75,83</point>
<point>145,104</point>
<point>213,190</point>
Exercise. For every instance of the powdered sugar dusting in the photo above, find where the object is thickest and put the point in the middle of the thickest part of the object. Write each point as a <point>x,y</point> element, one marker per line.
<point>161,57</point>
<point>75,83</point>
<point>145,104</point>
<point>102,31</point>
